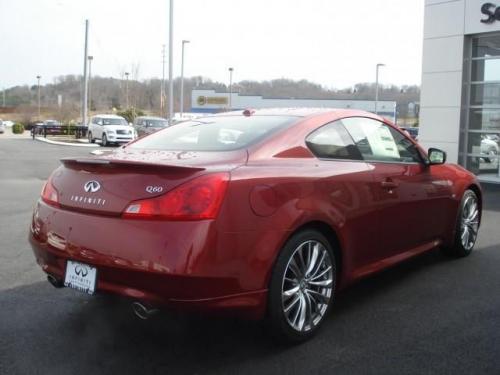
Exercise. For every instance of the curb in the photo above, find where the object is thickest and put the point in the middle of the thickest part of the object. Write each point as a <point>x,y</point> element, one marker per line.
<point>42,139</point>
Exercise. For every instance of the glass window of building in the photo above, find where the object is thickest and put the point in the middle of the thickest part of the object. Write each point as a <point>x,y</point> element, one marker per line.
<point>481,133</point>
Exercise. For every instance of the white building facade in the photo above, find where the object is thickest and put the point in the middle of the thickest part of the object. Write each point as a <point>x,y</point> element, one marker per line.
<point>211,101</point>
<point>460,98</point>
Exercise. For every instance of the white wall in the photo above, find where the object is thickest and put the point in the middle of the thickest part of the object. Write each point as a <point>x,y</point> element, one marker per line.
<point>385,108</point>
<point>442,63</point>
<point>446,24</point>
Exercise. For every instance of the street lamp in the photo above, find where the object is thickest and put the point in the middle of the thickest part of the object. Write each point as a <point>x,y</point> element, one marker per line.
<point>171,63</point>
<point>182,78</point>
<point>230,88</point>
<point>126,88</point>
<point>90,78</point>
<point>38,78</point>
<point>376,87</point>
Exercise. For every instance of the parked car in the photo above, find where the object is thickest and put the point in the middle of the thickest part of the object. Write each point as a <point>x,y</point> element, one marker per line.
<point>2,127</point>
<point>49,127</point>
<point>147,125</point>
<point>110,129</point>
<point>264,213</point>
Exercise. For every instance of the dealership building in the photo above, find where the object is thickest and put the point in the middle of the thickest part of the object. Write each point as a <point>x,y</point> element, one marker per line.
<point>460,99</point>
<point>211,101</point>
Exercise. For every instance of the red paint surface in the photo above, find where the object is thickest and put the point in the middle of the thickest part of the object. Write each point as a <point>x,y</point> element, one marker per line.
<point>275,188</point>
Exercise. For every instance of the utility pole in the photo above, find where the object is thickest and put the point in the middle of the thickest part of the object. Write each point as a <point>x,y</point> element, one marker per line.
<point>376,87</point>
<point>38,79</point>
<point>126,88</point>
<point>170,65</point>
<point>90,81</point>
<point>162,88</point>
<point>230,88</point>
<point>85,78</point>
<point>182,78</point>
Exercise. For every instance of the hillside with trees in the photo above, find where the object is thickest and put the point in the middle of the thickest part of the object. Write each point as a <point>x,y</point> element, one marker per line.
<point>109,94</point>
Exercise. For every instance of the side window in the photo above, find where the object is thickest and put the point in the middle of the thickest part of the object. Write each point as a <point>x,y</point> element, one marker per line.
<point>408,152</point>
<point>332,141</point>
<point>379,142</point>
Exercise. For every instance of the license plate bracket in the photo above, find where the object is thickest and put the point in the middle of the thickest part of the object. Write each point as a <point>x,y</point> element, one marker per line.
<point>80,276</point>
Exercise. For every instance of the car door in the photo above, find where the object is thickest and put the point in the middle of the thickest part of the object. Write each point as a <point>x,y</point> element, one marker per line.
<point>98,128</point>
<point>412,203</point>
<point>347,190</point>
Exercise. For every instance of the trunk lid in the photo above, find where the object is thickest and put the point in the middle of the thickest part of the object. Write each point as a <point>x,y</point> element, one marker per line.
<point>107,184</point>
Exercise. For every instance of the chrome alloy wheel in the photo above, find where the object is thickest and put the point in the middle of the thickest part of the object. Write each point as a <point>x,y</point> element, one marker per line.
<point>307,285</point>
<point>469,225</point>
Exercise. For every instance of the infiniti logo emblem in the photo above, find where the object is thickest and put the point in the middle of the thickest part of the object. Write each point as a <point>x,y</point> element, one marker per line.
<point>92,186</point>
<point>81,270</point>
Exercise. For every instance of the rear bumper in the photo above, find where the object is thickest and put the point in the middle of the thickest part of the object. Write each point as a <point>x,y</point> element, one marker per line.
<point>171,264</point>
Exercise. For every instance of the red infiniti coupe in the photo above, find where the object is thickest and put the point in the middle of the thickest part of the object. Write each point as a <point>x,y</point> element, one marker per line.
<point>265,213</point>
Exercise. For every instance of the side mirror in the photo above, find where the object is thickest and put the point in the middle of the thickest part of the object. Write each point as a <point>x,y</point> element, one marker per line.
<point>436,156</point>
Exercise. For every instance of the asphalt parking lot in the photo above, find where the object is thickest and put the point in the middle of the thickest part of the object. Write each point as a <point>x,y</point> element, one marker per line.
<point>429,315</point>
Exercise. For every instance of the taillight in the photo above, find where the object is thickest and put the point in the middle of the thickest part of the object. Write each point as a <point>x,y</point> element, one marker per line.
<point>197,199</point>
<point>50,194</point>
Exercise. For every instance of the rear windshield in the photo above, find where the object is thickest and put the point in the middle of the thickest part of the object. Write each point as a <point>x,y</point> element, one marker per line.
<point>222,133</point>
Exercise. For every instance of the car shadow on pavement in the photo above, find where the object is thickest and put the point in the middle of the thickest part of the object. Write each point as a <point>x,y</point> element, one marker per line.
<point>62,330</point>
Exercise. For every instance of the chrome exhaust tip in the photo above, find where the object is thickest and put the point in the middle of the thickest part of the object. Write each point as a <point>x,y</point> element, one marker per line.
<point>142,311</point>
<point>55,282</point>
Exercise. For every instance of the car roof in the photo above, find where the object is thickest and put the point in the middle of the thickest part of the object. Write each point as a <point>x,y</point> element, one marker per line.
<point>108,116</point>
<point>151,118</point>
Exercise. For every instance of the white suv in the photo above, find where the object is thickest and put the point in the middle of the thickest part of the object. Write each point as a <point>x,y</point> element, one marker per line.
<point>2,127</point>
<point>110,129</point>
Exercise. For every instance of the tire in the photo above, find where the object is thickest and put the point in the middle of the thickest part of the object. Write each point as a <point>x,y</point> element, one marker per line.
<point>296,307</point>
<point>104,140</point>
<point>91,140</point>
<point>469,213</point>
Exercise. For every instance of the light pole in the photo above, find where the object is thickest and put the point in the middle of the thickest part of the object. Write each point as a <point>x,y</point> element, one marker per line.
<point>171,64</point>
<point>90,80</point>
<point>230,88</point>
<point>38,78</point>
<point>162,88</point>
<point>376,87</point>
<point>182,77</point>
<point>126,88</point>
<point>85,77</point>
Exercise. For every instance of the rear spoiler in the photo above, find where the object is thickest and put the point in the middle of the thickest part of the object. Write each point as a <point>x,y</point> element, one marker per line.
<point>103,162</point>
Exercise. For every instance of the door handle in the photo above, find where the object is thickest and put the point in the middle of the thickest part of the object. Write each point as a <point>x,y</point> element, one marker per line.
<point>389,184</point>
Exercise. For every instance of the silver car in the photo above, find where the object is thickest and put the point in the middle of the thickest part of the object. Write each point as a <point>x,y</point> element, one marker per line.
<point>2,127</point>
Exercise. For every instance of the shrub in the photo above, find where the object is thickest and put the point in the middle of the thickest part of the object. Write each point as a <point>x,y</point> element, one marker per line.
<point>18,128</point>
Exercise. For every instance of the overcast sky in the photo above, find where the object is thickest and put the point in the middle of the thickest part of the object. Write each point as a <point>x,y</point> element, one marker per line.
<point>332,42</point>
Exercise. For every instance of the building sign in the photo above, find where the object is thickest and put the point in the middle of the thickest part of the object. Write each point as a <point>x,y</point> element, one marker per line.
<point>212,100</point>
<point>491,11</point>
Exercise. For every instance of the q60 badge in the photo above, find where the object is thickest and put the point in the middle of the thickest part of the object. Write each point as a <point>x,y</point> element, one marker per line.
<point>154,189</point>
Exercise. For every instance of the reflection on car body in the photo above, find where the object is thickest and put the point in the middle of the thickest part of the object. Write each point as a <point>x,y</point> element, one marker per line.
<point>267,214</point>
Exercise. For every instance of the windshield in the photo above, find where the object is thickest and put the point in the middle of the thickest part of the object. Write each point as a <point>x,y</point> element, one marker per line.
<point>156,123</point>
<point>114,121</point>
<point>222,133</point>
